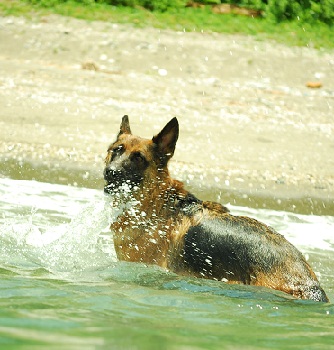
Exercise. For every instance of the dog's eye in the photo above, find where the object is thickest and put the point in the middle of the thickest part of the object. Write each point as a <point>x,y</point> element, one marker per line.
<point>118,150</point>
<point>138,157</point>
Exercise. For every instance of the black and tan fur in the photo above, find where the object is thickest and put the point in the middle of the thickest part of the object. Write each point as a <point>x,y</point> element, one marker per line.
<point>162,223</point>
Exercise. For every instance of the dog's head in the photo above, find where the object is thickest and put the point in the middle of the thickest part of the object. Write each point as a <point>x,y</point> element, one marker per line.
<point>133,161</point>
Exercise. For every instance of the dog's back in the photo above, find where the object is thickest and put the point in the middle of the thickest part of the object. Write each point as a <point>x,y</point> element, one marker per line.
<point>238,249</point>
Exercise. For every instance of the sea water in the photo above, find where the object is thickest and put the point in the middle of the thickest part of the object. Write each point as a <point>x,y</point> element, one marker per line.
<point>62,286</point>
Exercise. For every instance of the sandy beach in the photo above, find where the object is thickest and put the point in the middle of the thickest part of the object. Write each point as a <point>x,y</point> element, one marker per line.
<point>248,122</point>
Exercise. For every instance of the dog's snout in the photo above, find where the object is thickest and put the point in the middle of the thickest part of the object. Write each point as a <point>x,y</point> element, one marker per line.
<point>109,172</point>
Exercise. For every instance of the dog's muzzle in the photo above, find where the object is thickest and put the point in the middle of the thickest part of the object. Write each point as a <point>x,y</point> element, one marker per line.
<point>110,176</point>
<point>117,177</point>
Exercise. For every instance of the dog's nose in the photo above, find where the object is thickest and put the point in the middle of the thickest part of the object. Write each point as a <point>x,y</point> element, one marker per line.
<point>111,173</point>
<point>108,173</point>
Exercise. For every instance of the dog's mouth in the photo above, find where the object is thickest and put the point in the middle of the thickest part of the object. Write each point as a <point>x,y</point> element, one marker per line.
<point>115,187</point>
<point>113,180</point>
<point>109,188</point>
<point>125,188</point>
<point>119,180</point>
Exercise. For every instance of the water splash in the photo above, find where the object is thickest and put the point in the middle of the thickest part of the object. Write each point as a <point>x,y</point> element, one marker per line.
<point>83,244</point>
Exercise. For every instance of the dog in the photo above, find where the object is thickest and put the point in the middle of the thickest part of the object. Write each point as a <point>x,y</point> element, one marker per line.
<point>160,222</point>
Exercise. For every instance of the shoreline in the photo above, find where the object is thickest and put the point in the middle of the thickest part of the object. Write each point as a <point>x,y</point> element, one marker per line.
<point>249,126</point>
<point>291,199</point>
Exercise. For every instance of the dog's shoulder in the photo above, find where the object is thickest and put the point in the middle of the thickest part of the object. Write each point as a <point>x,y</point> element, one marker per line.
<point>215,208</point>
<point>190,205</point>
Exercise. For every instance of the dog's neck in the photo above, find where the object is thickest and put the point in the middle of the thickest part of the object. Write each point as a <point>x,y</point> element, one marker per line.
<point>150,215</point>
<point>153,202</point>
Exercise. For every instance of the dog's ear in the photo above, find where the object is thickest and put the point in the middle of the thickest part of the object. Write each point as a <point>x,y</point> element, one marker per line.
<point>125,126</point>
<point>167,137</point>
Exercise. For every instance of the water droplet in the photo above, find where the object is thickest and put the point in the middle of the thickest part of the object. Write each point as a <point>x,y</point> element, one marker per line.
<point>162,72</point>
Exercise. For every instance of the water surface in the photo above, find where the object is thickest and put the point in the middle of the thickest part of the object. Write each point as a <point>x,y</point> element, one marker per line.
<point>61,284</point>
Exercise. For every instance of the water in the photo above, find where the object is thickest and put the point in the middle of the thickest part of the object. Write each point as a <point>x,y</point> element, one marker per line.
<point>61,284</point>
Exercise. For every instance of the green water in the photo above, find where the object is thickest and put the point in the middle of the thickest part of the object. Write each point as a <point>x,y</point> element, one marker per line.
<point>164,314</point>
<point>62,287</point>
<point>151,310</point>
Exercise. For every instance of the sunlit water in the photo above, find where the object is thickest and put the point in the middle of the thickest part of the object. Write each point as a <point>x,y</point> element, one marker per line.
<point>61,284</point>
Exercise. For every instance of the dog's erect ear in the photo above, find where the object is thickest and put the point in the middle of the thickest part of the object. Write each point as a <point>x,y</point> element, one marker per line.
<point>125,126</point>
<point>167,137</point>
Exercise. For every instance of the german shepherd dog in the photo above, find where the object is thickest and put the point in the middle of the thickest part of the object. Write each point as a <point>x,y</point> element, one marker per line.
<point>161,223</point>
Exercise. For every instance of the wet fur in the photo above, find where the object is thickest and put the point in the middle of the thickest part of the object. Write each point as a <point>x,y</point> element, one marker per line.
<point>168,226</point>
